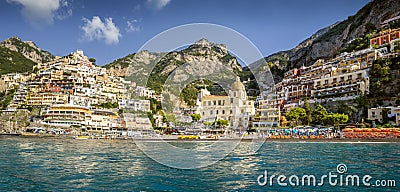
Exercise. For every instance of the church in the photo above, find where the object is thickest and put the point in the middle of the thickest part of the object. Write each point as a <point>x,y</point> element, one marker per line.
<point>235,107</point>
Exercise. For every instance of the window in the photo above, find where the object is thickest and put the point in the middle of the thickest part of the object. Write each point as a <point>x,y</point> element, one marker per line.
<point>349,77</point>
<point>215,102</point>
<point>231,111</point>
<point>216,112</point>
<point>223,112</point>
<point>211,112</point>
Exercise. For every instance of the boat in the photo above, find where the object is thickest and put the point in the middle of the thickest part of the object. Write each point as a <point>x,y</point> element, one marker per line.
<point>188,137</point>
<point>11,134</point>
<point>82,137</point>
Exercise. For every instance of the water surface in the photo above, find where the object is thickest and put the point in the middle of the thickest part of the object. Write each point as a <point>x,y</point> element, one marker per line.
<point>46,164</point>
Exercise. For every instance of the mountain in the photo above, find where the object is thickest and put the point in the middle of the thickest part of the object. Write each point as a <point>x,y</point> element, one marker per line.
<point>139,65</point>
<point>330,41</point>
<point>21,56</point>
<point>28,49</point>
<point>201,59</point>
<point>12,61</point>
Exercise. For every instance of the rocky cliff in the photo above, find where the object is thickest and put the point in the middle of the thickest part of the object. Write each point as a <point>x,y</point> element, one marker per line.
<point>159,66</point>
<point>329,41</point>
<point>28,49</point>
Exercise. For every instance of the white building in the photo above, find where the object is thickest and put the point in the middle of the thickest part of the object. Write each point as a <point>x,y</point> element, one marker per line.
<point>134,104</point>
<point>235,107</point>
<point>377,114</point>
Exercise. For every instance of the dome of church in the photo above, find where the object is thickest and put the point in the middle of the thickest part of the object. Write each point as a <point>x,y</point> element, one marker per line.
<point>238,85</point>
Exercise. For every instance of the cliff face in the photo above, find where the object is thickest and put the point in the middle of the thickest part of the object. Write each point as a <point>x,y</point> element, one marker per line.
<point>202,53</point>
<point>28,49</point>
<point>168,72</point>
<point>329,41</point>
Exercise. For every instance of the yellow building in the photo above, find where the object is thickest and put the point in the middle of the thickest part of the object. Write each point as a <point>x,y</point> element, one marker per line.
<point>47,99</point>
<point>67,115</point>
<point>267,114</point>
<point>235,107</point>
<point>102,120</point>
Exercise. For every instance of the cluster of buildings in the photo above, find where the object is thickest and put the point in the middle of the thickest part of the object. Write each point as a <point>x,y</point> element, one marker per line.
<point>72,91</point>
<point>342,78</point>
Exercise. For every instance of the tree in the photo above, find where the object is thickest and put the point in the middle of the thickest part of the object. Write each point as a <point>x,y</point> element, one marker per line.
<point>319,114</point>
<point>208,123</point>
<point>151,118</point>
<point>308,119</point>
<point>335,119</point>
<point>347,109</point>
<point>295,114</point>
<point>155,106</point>
<point>381,69</point>
<point>189,95</point>
<point>369,27</point>
<point>222,123</point>
<point>167,118</point>
<point>362,104</point>
<point>385,117</point>
<point>93,60</point>
<point>195,117</point>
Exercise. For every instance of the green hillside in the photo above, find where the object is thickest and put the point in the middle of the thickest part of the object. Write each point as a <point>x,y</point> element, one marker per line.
<point>11,62</point>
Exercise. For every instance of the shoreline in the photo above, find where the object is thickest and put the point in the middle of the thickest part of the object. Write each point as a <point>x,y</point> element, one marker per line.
<point>170,138</point>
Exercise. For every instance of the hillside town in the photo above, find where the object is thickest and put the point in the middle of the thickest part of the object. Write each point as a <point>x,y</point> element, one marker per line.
<point>73,94</point>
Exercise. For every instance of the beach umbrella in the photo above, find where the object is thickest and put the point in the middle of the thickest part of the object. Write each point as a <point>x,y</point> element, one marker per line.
<point>376,130</point>
<point>347,130</point>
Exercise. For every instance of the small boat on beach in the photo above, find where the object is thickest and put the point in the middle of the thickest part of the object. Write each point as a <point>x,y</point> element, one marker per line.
<point>82,137</point>
<point>10,134</point>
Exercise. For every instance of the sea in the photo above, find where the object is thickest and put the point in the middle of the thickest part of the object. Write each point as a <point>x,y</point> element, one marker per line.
<point>54,164</point>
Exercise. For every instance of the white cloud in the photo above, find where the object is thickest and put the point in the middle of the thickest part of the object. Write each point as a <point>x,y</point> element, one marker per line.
<point>157,4</point>
<point>132,25</point>
<point>43,12</point>
<point>96,29</point>
<point>65,11</point>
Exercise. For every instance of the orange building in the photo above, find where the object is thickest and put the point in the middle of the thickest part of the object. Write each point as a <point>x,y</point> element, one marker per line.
<point>385,37</point>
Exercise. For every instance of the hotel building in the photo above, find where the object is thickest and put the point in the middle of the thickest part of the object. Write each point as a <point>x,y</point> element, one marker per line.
<point>385,37</point>
<point>67,115</point>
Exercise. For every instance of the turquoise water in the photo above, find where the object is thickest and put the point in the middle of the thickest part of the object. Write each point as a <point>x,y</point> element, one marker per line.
<point>38,164</point>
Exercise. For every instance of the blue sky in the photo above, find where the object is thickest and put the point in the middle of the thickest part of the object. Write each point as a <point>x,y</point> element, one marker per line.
<point>107,30</point>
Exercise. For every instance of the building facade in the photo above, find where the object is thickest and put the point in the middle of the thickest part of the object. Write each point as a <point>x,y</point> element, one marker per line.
<point>385,37</point>
<point>235,107</point>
